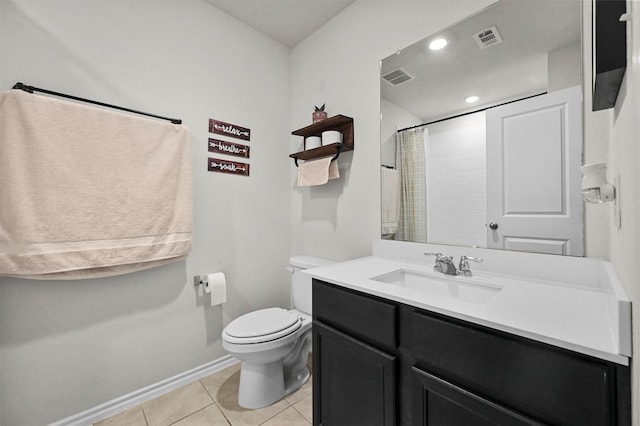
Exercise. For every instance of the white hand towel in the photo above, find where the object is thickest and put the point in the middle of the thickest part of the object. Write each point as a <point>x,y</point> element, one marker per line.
<point>390,201</point>
<point>334,172</point>
<point>317,172</point>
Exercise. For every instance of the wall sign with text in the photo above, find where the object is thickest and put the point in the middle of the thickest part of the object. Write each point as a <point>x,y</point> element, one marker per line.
<point>221,128</point>
<point>225,166</point>
<point>228,148</point>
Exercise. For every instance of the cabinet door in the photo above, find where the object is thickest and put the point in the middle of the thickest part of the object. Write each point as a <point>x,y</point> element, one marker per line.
<point>353,383</point>
<point>554,385</point>
<point>438,402</point>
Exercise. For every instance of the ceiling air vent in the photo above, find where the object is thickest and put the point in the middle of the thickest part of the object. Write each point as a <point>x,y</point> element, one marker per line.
<point>488,37</point>
<point>396,77</point>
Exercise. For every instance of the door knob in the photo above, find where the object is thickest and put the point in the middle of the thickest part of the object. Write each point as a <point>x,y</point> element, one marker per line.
<point>493,226</point>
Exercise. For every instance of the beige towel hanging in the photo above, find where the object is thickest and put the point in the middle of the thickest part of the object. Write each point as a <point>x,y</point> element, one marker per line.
<point>390,201</point>
<point>317,172</point>
<point>88,192</point>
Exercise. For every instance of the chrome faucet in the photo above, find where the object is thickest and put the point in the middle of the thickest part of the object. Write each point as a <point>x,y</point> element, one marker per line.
<point>448,267</point>
<point>438,265</point>
<point>463,268</point>
<point>445,264</point>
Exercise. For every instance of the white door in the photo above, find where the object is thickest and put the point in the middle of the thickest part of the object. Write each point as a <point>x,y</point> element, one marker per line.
<point>534,153</point>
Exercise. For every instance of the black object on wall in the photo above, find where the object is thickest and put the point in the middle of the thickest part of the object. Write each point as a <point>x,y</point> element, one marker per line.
<point>31,89</point>
<point>609,51</point>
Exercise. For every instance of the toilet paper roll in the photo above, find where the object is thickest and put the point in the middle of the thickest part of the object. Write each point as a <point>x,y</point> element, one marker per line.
<point>313,142</point>
<point>331,136</point>
<point>216,285</point>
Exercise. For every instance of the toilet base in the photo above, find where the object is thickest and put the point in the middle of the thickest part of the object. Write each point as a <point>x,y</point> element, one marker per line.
<point>263,384</point>
<point>272,369</point>
<point>260,384</point>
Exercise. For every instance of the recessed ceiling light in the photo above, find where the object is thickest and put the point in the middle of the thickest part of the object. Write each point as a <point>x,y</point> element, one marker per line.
<point>437,44</point>
<point>471,99</point>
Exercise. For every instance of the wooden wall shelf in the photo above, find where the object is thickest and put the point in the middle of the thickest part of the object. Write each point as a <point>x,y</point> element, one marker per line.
<point>341,123</point>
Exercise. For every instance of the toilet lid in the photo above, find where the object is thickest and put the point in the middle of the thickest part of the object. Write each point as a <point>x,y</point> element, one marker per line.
<point>270,323</point>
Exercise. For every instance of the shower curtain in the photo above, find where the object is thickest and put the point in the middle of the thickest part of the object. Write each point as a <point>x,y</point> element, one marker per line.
<point>411,163</point>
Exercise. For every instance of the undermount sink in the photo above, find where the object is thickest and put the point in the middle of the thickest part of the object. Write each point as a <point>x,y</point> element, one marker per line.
<point>456,287</point>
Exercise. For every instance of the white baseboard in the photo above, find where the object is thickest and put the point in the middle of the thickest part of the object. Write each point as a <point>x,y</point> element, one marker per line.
<point>125,402</point>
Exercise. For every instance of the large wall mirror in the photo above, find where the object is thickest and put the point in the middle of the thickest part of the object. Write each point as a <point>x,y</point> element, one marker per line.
<point>482,133</point>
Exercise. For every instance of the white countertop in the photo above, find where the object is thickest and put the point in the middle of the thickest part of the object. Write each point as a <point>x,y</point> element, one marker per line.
<point>585,319</point>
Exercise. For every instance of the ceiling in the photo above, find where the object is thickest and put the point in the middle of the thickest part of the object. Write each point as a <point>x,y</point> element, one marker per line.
<point>510,70</point>
<point>517,66</point>
<point>286,21</point>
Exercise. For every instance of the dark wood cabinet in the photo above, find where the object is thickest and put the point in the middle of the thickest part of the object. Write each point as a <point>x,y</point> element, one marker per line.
<point>354,383</point>
<point>555,385</point>
<point>379,362</point>
<point>438,402</point>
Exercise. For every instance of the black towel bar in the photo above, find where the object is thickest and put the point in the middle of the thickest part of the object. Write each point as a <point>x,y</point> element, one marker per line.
<point>295,159</point>
<point>31,89</point>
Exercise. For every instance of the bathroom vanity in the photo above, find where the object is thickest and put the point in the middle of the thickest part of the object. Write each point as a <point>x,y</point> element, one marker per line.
<point>498,348</point>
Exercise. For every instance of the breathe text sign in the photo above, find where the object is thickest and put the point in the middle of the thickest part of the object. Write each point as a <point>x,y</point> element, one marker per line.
<point>229,148</point>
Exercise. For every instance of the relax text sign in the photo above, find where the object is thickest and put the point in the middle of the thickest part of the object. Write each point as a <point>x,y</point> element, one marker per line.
<point>228,129</point>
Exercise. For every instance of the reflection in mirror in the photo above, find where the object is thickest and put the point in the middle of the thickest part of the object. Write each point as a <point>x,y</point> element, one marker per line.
<point>481,140</point>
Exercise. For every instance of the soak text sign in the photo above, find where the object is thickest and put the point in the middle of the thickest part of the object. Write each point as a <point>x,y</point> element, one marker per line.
<point>225,166</point>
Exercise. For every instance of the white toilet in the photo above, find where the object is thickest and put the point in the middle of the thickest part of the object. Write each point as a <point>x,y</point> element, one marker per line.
<point>273,343</point>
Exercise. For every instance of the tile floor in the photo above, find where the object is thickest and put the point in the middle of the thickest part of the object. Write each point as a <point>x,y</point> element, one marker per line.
<point>213,401</point>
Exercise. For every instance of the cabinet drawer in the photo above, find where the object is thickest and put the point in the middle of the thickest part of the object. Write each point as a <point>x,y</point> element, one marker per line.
<point>533,378</point>
<point>364,317</point>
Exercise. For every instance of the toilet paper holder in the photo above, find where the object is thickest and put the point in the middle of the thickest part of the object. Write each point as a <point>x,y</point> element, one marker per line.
<point>214,284</point>
<point>200,280</point>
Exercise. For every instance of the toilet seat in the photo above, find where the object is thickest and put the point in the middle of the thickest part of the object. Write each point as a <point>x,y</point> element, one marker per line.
<point>261,326</point>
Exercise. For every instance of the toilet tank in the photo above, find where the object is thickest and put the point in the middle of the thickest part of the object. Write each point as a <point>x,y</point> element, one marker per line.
<point>301,284</point>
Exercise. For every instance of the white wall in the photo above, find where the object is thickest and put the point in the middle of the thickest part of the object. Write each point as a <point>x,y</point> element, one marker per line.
<point>596,149</point>
<point>457,181</point>
<point>393,118</point>
<point>564,67</point>
<point>624,158</point>
<point>611,136</point>
<point>340,64</point>
<point>67,346</point>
